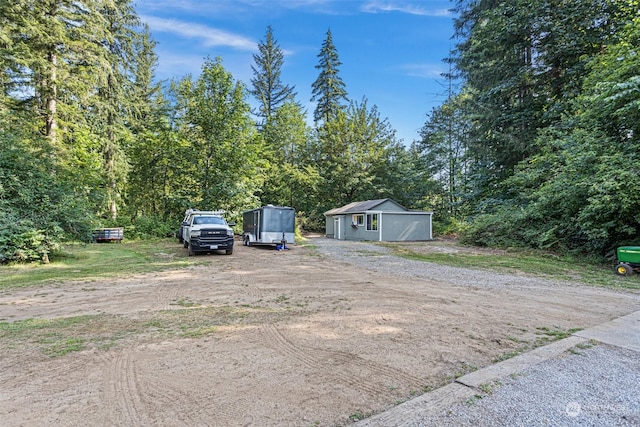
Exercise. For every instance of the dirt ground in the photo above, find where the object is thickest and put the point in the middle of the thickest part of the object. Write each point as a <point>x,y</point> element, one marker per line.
<point>270,338</point>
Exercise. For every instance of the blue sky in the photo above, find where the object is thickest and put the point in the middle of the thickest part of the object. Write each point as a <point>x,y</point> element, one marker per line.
<point>391,50</point>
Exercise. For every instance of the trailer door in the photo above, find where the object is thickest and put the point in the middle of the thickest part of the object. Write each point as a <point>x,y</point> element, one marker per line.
<point>256,224</point>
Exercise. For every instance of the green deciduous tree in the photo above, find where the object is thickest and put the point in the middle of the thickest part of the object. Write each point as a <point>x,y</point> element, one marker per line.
<point>404,178</point>
<point>225,147</point>
<point>290,178</point>
<point>37,210</point>
<point>157,153</point>
<point>352,154</point>
<point>443,154</point>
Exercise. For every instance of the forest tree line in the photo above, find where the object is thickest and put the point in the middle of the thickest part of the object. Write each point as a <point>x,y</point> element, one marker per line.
<point>535,146</point>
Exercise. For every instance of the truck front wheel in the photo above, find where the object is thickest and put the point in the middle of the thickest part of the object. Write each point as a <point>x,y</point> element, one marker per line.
<point>190,249</point>
<point>228,251</point>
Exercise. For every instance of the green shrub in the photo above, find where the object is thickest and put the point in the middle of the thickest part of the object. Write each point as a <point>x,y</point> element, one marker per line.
<point>449,227</point>
<point>22,241</point>
<point>38,208</point>
<point>145,227</point>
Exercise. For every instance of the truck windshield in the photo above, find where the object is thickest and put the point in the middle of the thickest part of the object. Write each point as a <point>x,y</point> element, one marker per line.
<point>209,220</point>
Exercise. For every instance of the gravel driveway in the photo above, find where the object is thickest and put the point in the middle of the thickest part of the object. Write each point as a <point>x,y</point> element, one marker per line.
<point>597,386</point>
<point>594,384</point>
<point>379,258</point>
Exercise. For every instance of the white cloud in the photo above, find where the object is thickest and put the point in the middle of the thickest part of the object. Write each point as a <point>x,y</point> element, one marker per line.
<point>177,66</point>
<point>412,8</point>
<point>424,71</point>
<point>235,7</point>
<point>209,36</point>
<point>188,6</point>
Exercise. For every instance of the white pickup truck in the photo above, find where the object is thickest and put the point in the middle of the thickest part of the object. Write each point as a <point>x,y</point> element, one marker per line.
<point>206,231</point>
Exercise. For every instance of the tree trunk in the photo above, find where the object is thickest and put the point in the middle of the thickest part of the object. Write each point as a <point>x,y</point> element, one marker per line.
<point>51,90</point>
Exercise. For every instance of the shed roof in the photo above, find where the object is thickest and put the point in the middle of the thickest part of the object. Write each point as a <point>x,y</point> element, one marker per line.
<point>356,207</point>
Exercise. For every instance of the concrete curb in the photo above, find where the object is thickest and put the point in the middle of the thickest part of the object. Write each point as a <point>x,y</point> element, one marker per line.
<point>622,332</point>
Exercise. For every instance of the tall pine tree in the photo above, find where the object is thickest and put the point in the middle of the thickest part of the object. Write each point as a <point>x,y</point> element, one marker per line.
<point>328,89</point>
<point>268,88</point>
<point>112,102</point>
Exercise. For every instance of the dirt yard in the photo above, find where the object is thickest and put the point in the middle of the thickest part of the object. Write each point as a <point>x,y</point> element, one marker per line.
<point>267,338</point>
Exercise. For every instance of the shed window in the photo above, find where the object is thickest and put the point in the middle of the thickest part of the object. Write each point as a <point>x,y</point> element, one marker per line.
<point>357,219</point>
<point>372,222</point>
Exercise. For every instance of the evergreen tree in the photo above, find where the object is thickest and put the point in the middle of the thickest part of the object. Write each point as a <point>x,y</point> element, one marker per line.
<point>157,155</point>
<point>268,89</point>
<point>328,89</point>
<point>49,42</point>
<point>113,107</point>
<point>571,193</point>
<point>522,62</point>
<point>145,90</point>
<point>443,153</point>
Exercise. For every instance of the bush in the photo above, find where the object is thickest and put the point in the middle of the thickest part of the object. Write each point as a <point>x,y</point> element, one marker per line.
<point>38,209</point>
<point>146,227</point>
<point>449,227</point>
<point>22,241</point>
<point>494,230</point>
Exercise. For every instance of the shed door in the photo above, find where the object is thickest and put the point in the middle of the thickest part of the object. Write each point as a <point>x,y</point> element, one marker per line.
<point>336,228</point>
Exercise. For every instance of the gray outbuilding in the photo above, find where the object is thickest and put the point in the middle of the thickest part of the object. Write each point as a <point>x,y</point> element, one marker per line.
<point>378,220</point>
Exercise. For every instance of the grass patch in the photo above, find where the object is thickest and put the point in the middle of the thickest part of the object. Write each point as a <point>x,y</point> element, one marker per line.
<point>555,334</point>
<point>99,261</point>
<point>508,355</point>
<point>525,262</point>
<point>583,346</point>
<point>58,337</point>
<point>186,303</point>
<point>358,416</point>
<point>464,369</point>
<point>489,388</point>
<point>473,400</point>
<point>545,334</point>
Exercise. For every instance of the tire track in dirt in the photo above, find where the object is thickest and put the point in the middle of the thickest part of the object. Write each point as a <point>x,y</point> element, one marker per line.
<point>248,281</point>
<point>175,405</point>
<point>164,296</point>
<point>327,366</point>
<point>227,414</point>
<point>137,399</point>
<point>123,389</point>
<point>133,398</point>
<point>377,370</point>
